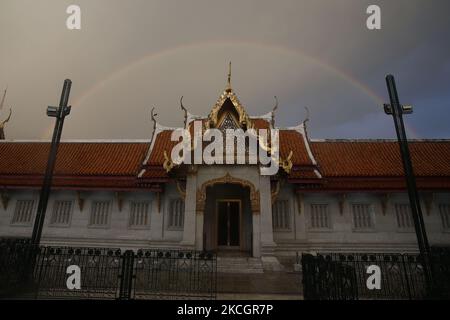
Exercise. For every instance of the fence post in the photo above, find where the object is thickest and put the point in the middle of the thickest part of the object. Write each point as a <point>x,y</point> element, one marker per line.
<point>404,260</point>
<point>126,275</point>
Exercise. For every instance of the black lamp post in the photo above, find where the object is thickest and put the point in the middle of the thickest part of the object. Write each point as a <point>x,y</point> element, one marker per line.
<point>397,110</point>
<point>59,113</point>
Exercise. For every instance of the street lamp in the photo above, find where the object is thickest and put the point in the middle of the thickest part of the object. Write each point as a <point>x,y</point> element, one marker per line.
<point>59,113</point>
<point>397,110</point>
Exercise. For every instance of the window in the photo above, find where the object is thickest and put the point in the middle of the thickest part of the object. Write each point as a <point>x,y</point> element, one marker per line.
<point>281,219</point>
<point>62,212</point>
<point>100,211</point>
<point>23,213</point>
<point>320,216</point>
<point>362,216</point>
<point>404,216</point>
<point>176,214</point>
<point>139,214</point>
<point>444,209</point>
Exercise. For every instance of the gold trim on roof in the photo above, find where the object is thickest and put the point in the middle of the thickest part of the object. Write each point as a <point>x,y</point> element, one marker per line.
<point>244,119</point>
<point>286,164</point>
<point>168,163</point>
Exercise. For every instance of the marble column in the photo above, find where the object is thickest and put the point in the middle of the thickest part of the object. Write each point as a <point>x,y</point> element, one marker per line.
<point>199,230</point>
<point>256,238</point>
<point>189,231</point>
<point>267,243</point>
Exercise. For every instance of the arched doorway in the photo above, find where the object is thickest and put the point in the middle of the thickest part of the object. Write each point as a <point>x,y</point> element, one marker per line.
<point>227,224</point>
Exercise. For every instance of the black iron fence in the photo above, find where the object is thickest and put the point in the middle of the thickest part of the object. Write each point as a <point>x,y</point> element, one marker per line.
<point>345,276</point>
<point>42,273</point>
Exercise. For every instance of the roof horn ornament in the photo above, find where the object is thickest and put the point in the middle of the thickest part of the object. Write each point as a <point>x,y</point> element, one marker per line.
<point>152,117</point>
<point>185,111</point>
<point>4,122</point>
<point>273,112</point>
<point>307,116</point>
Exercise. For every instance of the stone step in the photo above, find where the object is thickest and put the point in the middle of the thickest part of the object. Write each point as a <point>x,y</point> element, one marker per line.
<point>239,265</point>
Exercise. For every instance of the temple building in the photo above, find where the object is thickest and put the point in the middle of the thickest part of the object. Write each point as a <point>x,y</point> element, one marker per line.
<point>327,195</point>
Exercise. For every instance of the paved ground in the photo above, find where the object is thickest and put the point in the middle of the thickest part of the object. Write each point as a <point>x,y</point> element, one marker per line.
<point>247,296</point>
<point>272,283</point>
<point>283,284</point>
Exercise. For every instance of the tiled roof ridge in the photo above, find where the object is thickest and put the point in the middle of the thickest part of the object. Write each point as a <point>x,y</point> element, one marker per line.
<point>149,141</point>
<point>80,141</point>
<point>378,140</point>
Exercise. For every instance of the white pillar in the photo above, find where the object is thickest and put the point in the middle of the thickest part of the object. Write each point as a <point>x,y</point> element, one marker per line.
<point>199,231</point>
<point>157,217</point>
<point>267,242</point>
<point>256,238</point>
<point>189,234</point>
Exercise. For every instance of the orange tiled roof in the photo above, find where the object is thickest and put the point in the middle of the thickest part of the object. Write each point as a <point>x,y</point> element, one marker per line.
<point>74,159</point>
<point>362,165</point>
<point>289,140</point>
<point>293,140</point>
<point>162,143</point>
<point>261,123</point>
<point>380,158</point>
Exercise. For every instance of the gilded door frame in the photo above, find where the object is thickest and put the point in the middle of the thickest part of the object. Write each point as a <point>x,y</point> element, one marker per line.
<point>227,179</point>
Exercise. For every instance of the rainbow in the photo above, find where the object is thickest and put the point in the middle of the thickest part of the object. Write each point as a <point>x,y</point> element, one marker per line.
<point>115,74</point>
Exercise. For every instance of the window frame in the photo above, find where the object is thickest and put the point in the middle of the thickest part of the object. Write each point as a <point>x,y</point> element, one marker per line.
<point>444,229</point>
<point>398,228</point>
<point>311,228</point>
<point>58,225</point>
<point>372,215</point>
<point>149,214</point>
<point>109,218</point>
<point>169,216</point>
<point>289,216</point>
<point>33,214</point>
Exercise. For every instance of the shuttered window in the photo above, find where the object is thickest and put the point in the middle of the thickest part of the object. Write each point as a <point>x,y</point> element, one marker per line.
<point>139,214</point>
<point>281,218</point>
<point>404,216</point>
<point>362,216</point>
<point>176,214</point>
<point>23,213</point>
<point>100,214</point>
<point>444,210</point>
<point>62,213</point>
<point>320,216</point>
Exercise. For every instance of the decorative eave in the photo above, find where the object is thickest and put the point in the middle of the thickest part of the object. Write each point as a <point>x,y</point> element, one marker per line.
<point>157,129</point>
<point>372,184</point>
<point>301,128</point>
<point>213,119</point>
<point>4,122</point>
<point>111,183</point>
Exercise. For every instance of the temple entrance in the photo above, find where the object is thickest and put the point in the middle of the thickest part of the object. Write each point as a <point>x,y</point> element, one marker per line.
<point>228,219</point>
<point>228,224</point>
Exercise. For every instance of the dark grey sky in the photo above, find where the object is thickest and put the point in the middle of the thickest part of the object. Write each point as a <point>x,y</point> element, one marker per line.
<point>130,55</point>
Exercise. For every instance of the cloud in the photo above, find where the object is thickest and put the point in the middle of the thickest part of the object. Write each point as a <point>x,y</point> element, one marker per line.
<point>133,55</point>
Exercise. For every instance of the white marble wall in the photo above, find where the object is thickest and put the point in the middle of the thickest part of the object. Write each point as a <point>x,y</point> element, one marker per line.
<point>117,234</point>
<point>384,236</point>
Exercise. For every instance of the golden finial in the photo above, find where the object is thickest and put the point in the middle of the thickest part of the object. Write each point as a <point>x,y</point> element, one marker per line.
<point>229,78</point>
<point>3,98</point>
